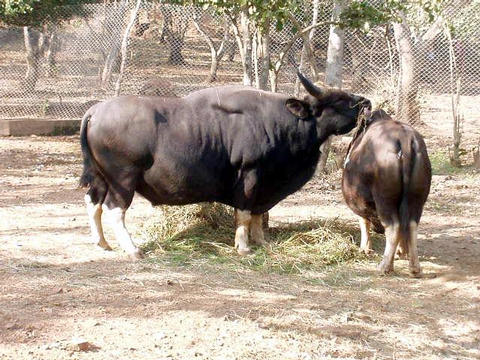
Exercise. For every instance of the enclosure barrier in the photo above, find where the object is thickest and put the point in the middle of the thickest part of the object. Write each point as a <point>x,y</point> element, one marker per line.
<point>150,48</point>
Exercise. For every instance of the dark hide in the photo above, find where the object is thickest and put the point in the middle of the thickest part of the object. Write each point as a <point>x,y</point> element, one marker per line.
<point>387,174</point>
<point>236,145</point>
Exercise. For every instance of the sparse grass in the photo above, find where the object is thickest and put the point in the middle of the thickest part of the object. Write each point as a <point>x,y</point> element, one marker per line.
<point>196,234</point>
<point>441,164</point>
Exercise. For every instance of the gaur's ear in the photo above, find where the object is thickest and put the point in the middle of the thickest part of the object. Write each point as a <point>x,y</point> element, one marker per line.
<point>298,108</point>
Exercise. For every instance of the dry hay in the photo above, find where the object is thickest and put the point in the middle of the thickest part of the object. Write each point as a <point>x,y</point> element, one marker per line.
<point>204,233</point>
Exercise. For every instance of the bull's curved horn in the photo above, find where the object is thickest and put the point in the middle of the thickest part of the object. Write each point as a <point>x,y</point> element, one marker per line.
<point>309,86</point>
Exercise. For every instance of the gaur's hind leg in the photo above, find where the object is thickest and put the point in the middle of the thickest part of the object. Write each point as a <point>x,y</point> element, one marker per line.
<point>259,237</point>
<point>242,219</point>
<point>365,242</point>
<point>116,203</point>
<point>117,221</point>
<point>392,233</point>
<point>388,219</point>
<point>245,191</point>
<point>94,211</point>
<point>94,199</point>
<point>265,220</point>
<point>414,264</point>
<point>266,226</point>
<point>256,229</point>
<point>401,252</point>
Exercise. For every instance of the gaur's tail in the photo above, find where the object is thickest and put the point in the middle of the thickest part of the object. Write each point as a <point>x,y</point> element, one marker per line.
<point>88,162</point>
<point>407,159</point>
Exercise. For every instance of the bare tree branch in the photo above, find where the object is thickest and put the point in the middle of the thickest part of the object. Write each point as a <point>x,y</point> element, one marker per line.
<point>279,63</point>
<point>216,54</point>
<point>124,46</point>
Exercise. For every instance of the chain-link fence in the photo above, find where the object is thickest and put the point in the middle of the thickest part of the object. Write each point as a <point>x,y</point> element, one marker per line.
<point>150,48</point>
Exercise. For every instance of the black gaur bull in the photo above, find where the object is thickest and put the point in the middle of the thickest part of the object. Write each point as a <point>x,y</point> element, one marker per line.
<point>236,145</point>
<point>386,181</point>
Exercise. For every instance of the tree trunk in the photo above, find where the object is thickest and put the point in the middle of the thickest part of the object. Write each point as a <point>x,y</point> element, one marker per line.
<point>407,108</point>
<point>174,30</point>
<point>476,156</point>
<point>333,71</point>
<point>273,81</point>
<point>256,41</point>
<point>455,87</point>
<point>334,68</point>
<point>35,47</point>
<point>124,46</point>
<point>264,37</point>
<point>51,52</point>
<point>264,57</point>
<point>212,76</point>
<point>163,26</point>
<point>175,41</point>
<point>232,49</point>
<point>244,43</point>
<point>261,57</point>
<point>305,52</point>
<point>247,46</point>
<point>220,52</point>
<point>113,35</point>
<point>110,64</point>
<point>215,54</point>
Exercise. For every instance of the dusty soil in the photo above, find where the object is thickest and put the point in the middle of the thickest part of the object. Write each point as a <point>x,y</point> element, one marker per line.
<point>63,298</point>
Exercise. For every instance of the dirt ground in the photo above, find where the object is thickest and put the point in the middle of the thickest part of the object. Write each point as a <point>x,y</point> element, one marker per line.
<point>63,298</point>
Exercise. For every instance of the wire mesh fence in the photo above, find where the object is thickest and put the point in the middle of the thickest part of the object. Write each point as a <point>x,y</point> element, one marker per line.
<point>150,48</point>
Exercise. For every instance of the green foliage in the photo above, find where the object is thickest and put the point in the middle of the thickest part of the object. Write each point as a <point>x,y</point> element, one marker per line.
<point>358,14</point>
<point>364,16</point>
<point>278,11</point>
<point>261,12</point>
<point>465,23</point>
<point>36,13</point>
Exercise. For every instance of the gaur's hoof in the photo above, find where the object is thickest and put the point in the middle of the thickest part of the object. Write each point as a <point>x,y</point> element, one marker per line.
<point>137,255</point>
<point>416,273</point>
<point>260,242</point>
<point>104,245</point>
<point>385,269</point>
<point>367,252</point>
<point>244,251</point>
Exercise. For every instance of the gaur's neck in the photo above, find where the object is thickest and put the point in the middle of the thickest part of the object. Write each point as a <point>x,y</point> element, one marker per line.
<point>323,135</point>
